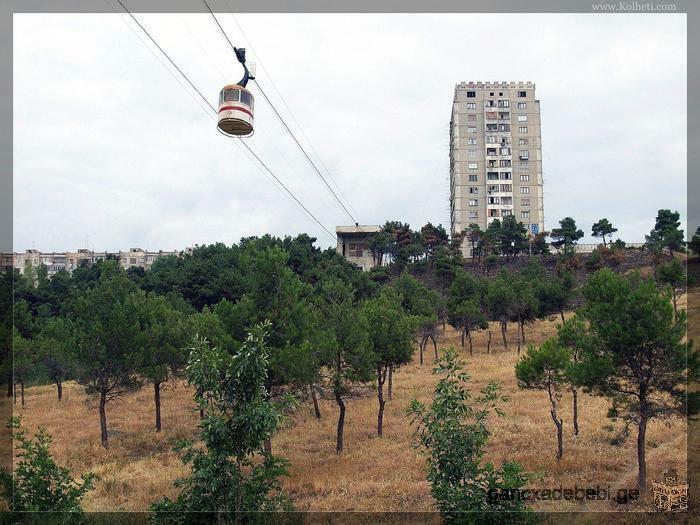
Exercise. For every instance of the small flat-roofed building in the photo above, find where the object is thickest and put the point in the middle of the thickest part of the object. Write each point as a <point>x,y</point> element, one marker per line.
<point>353,244</point>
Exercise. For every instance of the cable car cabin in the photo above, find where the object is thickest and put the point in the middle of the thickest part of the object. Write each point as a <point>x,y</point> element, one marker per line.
<point>235,111</point>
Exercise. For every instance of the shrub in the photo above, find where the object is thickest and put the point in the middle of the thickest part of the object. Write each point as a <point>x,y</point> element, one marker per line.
<point>453,433</point>
<point>38,484</point>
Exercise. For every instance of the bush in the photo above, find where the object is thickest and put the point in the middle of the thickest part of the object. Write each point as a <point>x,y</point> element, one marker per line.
<point>453,432</point>
<point>594,261</point>
<point>38,483</point>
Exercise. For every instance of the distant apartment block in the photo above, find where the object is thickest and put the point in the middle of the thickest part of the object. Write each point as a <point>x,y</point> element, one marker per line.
<point>495,156</point>
<point>353,244</point>
<point>69,261</point>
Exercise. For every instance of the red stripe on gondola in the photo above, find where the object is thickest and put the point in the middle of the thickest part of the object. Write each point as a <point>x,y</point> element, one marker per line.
<point>235,108</point>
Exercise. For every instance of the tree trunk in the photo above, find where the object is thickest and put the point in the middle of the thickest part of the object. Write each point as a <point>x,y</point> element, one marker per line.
<point>103,419</point>
<point>464,330</point>
<point>267,448</point>
<point>504,327</point>
<point>10,379</point>
<point>575,394</point>
<point>435,347</point>
<point>560,437</point>
<point>522,330</point>
<point>381,377</point>
<point>469,336</point>
<point>488,343</point>
<point>561,312</point>
<point>423,342</point>
<point>14,392</point>
<point>21,386</point>
<point>391,376</point>
<point>156,397</point>
<point>341,423</point>
<point>641,453</point>
<point>59,389</point>
<point>317,410</point>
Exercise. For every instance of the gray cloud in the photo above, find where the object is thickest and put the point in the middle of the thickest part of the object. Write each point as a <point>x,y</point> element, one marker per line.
<point>108,144</point>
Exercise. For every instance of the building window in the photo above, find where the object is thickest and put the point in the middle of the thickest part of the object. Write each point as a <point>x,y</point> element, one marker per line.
<point>471,141</point>
<point>522,94</point>
<point>524,189</point>
<point>492,139</point>
<point>525,214</point>
<point>473,202</point>
<point>471,118</point>
<point>504,103</point>
<point>505,151</point>
<point>500,94</point>
<point>525,165</point>
<point>507,200</point>
<point>472,165</point>
<point>491,152</point>
<point>524,202</point>
<point>522,118</point>
<point>491,94</point>
<point>505,163</point>
<point>491,127</point>
<point>473,178</point>
<point>522,105</point>
<point>524,154</point>
<point>492,175</point>
<point>506,187</point>
<point>494,200</point>
<point>493,188</point>
<point>525,177</point>
<point>522,129</point>
<point>471,105</point>
<point>473,214</point>
<point>523,142</point>
<point>471,154</point>
<point>471,94</point>
<point>504,127</point>
<point>472,189</point>
<point>471,129</point>
<point>493,213</point>
<point>506,213</point>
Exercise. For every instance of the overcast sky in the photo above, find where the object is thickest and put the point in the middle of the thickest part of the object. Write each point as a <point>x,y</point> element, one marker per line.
<point>112,152</point>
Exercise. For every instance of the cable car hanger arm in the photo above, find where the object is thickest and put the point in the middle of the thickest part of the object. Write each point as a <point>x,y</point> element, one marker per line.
<point>240,55</point>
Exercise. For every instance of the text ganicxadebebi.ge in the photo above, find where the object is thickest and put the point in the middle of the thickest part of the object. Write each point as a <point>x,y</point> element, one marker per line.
<point>576,493</point>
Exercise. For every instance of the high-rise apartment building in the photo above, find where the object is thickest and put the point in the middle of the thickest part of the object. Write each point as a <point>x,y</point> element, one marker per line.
<point>495,156</point>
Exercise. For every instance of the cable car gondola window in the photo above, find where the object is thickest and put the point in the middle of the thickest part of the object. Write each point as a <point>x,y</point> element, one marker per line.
<point>231,95</point>
<point>246,98</point>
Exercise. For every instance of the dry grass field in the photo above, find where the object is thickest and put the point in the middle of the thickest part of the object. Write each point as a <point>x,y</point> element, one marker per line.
<point>373,473</point>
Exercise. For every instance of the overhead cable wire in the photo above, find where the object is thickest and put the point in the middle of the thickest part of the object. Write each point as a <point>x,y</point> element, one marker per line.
<point>281,119</point>
<point>250,150</point>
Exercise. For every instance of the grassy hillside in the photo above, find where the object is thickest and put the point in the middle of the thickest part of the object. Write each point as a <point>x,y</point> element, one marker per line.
<point>373,473</point>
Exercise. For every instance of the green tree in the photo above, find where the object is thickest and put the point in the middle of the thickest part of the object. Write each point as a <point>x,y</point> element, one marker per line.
<point>674,275</point>
<point>639,359</point>
<point>524,305</point>
<point>475,235</point>
<point>464,306</point>
<point>573,335</point>
<point>24,361</point>
<point>554,294</point>
<point>160,345</point>
<point>106,352</point>
<point>694,243</point>
<point>424,305</point>
<point>566,235</point>
<point>666,233</point>
<point>228,476</point>
<point>602,228</point>
<point>390,340</point>
<point>344,351</point>
<point>499,301</point>
<point>38,483</point>
<point>513,238</point>
<point>544,368</point>
<point>453,432</point>
<point>379,244</point>
<point>55,345</point>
